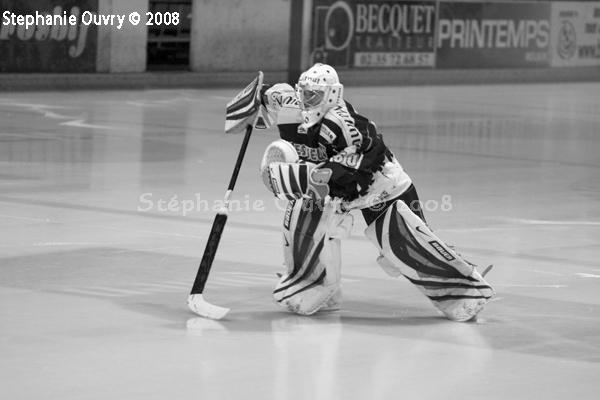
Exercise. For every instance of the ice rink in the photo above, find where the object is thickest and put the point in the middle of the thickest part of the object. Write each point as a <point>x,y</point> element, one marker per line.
<point>107,198</point>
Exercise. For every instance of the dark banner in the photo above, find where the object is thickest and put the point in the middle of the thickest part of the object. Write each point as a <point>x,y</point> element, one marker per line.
<point>493,35</point>
<point>47,36</point>
<point>373,34</point>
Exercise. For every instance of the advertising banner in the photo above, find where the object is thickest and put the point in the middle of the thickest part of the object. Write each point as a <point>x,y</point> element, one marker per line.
<point>47,36</point>
<point>493,35</point>
<point>373,33</point>
<point>575,34</point>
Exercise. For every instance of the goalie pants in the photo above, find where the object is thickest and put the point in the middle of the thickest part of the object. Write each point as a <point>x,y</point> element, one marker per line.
<point>409,197</point>
<point>312,233</point>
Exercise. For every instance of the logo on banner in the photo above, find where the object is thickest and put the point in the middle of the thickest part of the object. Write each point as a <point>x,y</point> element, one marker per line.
<point>567,40</point>
<point>339,26</point>
<point>494,33</point>
<point>368,33</point>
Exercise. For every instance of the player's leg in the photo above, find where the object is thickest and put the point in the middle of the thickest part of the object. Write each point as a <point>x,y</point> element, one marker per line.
<point>311,233</point>
<point>312,257</point>
<point>408,247</point>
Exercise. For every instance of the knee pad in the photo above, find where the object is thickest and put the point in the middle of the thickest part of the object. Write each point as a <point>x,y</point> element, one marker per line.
<point>410,248</point>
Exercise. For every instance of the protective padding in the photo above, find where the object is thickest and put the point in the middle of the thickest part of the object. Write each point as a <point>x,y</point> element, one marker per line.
<point>323,79</point>
<point>407,244</point>
<point>312,257</point>
<point>278,151</point>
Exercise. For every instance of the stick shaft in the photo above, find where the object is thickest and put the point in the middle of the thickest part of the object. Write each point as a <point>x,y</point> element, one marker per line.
<point>219,223</point>
<point>209,253</point>
<point>241,154</point>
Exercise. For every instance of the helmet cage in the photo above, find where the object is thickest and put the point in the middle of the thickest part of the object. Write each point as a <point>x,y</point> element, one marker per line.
<point>310,97</point>
<point>315,100</point>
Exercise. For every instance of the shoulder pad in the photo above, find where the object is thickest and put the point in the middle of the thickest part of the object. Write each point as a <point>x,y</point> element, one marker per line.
<point>281,95</point>
<point>339,121</point>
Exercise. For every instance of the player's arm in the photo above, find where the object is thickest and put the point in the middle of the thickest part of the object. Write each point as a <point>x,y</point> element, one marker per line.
<point>360,152</point>
<point>289,178</point>
<point>354,139</point>
<point>280,106</point>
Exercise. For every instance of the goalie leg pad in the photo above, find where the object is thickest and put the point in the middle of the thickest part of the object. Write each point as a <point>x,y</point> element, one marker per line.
<point>409,247</point>
<point>312,258</point>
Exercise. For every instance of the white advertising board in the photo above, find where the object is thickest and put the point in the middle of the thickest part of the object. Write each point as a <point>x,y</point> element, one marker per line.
<point>575,34</point>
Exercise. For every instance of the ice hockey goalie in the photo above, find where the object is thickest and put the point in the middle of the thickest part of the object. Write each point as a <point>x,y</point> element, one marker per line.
<point>330,161</point>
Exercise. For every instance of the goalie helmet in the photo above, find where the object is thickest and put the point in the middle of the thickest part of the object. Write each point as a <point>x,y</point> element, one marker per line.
<point>318,90</point>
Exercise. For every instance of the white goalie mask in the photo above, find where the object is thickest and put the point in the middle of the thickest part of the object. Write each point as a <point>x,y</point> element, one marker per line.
<point>318,90</point>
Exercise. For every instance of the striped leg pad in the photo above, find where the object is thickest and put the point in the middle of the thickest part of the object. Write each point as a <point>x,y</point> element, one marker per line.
<point>312,258</point>
<point>411,248</point>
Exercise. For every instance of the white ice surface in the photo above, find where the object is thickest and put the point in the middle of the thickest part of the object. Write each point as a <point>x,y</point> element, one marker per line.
<point>93,286</point>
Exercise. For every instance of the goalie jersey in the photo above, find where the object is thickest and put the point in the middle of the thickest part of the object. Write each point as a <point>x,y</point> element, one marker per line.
<point>343,141</point>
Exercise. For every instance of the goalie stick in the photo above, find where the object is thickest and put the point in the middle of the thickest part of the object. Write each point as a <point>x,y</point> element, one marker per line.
<point>241,112</point>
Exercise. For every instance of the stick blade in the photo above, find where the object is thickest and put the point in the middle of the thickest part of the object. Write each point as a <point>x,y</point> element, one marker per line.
<point>203,308</point>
